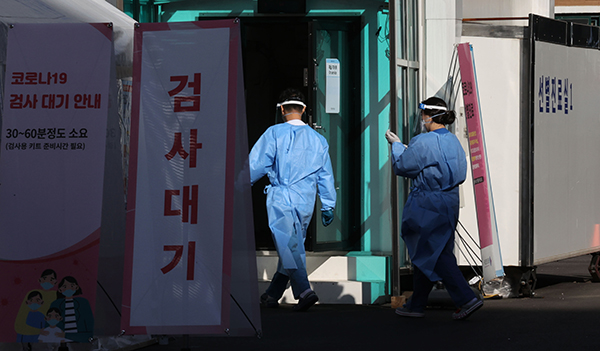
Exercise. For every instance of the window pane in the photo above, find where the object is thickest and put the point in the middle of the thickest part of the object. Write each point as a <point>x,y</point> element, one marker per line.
<point>400,32</point>
<point>412,32</point>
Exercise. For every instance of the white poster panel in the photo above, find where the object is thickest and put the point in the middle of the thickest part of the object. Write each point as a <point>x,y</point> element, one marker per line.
<point>566,142</point>
<point>51,172</point>
<point>178,203</point>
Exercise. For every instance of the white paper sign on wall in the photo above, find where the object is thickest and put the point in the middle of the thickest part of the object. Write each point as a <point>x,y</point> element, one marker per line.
<point>332,86</point>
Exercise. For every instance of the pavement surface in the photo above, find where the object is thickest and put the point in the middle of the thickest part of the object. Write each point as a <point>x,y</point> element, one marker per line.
<point>563,315</point>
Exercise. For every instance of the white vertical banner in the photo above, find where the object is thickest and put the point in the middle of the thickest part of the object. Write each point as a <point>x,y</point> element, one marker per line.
<point>484,200</point>
<point>51,174</point>
<point>180,198</point>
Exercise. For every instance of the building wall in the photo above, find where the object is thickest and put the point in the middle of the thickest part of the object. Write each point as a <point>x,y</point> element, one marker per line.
<point>375,171</point>
<point>498,65</point>
<point>507,9</point>
<point>577,2</point>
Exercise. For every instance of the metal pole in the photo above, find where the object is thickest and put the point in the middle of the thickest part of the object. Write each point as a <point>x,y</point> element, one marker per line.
<point>135,10</point>
<point>394,127</point>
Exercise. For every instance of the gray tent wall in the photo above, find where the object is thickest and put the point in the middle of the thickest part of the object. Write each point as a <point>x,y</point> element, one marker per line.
<point>110,269</point>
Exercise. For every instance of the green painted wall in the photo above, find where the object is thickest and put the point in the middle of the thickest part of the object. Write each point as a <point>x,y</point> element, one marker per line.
<point>376,171</point>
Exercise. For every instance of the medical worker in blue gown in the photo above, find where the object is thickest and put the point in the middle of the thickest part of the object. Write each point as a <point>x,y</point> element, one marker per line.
<point>436,163</point>
<point>296,159</point>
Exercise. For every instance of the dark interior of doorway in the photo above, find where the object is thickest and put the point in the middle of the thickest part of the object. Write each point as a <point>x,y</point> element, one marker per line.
<point>275,55</point>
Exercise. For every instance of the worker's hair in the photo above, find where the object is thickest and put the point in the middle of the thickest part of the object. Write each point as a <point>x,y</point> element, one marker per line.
<point>442,116</point>
<point>291,94</point>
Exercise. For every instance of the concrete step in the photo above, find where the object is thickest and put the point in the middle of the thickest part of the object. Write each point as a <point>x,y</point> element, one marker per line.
<point>349,279</point>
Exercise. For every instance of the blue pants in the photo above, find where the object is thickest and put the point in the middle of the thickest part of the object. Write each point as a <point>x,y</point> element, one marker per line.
<point>452,277</point>
<point>297,277</point>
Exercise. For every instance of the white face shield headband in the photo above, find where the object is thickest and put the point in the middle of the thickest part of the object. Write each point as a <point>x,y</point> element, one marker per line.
<point>432,107</point>
<point>290,102</point>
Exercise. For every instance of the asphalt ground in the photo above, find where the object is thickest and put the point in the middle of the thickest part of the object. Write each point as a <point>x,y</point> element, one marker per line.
<point>563,315</point>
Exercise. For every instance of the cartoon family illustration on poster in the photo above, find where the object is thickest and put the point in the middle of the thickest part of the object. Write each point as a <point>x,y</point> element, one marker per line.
<point>55,313</point>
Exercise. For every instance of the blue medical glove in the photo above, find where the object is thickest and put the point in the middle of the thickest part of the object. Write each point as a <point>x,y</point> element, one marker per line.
<point>326,217</point>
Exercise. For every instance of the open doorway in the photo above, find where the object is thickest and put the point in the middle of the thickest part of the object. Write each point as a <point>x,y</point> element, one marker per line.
<point>275,55</point>
<point>290,52</point>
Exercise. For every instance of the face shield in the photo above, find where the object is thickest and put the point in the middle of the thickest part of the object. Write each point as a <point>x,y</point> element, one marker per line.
<point>419,123</point>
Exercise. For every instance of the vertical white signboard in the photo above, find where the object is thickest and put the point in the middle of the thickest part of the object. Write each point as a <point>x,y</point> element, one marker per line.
<point>180,198</point>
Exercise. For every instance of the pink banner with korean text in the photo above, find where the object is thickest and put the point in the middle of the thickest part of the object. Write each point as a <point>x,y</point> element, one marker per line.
<point>484,201</point>
<point>181,178</point>
<point>54,119</point>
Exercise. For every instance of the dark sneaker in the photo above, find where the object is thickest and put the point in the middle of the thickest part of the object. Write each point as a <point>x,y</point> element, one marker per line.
<point>306,302</point>
<point>467,309</point>
<point>407,312</point>
<point>268,301</point>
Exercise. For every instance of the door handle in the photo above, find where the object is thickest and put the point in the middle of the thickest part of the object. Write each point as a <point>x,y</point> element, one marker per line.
<point>316,76</point>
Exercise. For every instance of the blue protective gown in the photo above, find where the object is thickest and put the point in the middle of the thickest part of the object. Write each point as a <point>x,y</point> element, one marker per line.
<point>437,164</point>
<point>296,160</point>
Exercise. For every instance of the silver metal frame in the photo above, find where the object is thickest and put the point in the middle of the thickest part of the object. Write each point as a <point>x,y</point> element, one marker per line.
<point>403,8</point>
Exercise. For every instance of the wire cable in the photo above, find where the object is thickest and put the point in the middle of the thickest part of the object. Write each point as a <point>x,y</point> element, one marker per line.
<point>470,265</point>
<point>470,237</point>
<point>258,334</point>
<point>109,298</point>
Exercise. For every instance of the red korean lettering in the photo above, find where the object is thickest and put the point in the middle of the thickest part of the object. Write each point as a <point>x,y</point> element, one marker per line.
<point>176,258</point>
<point>18,78</point>
<point>30,101</point>
<point>182,82</point>
<point>97,101</point>
<point>48,101</point>
<point>168,209</point>
<point>180,105</point>
<point>41,78</point>
<point>177,148</point>
<point>189,211</point>
<point>31,78</point>
<point>16,101</point>
<point>194,146</point>
<point>190,201</point>
<point>186,103</point>
<point>62,100</point>
<point>82,101</point>
<point>191,261</point>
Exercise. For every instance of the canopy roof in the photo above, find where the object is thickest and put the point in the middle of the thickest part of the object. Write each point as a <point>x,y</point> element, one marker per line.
<point>72,11</point>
